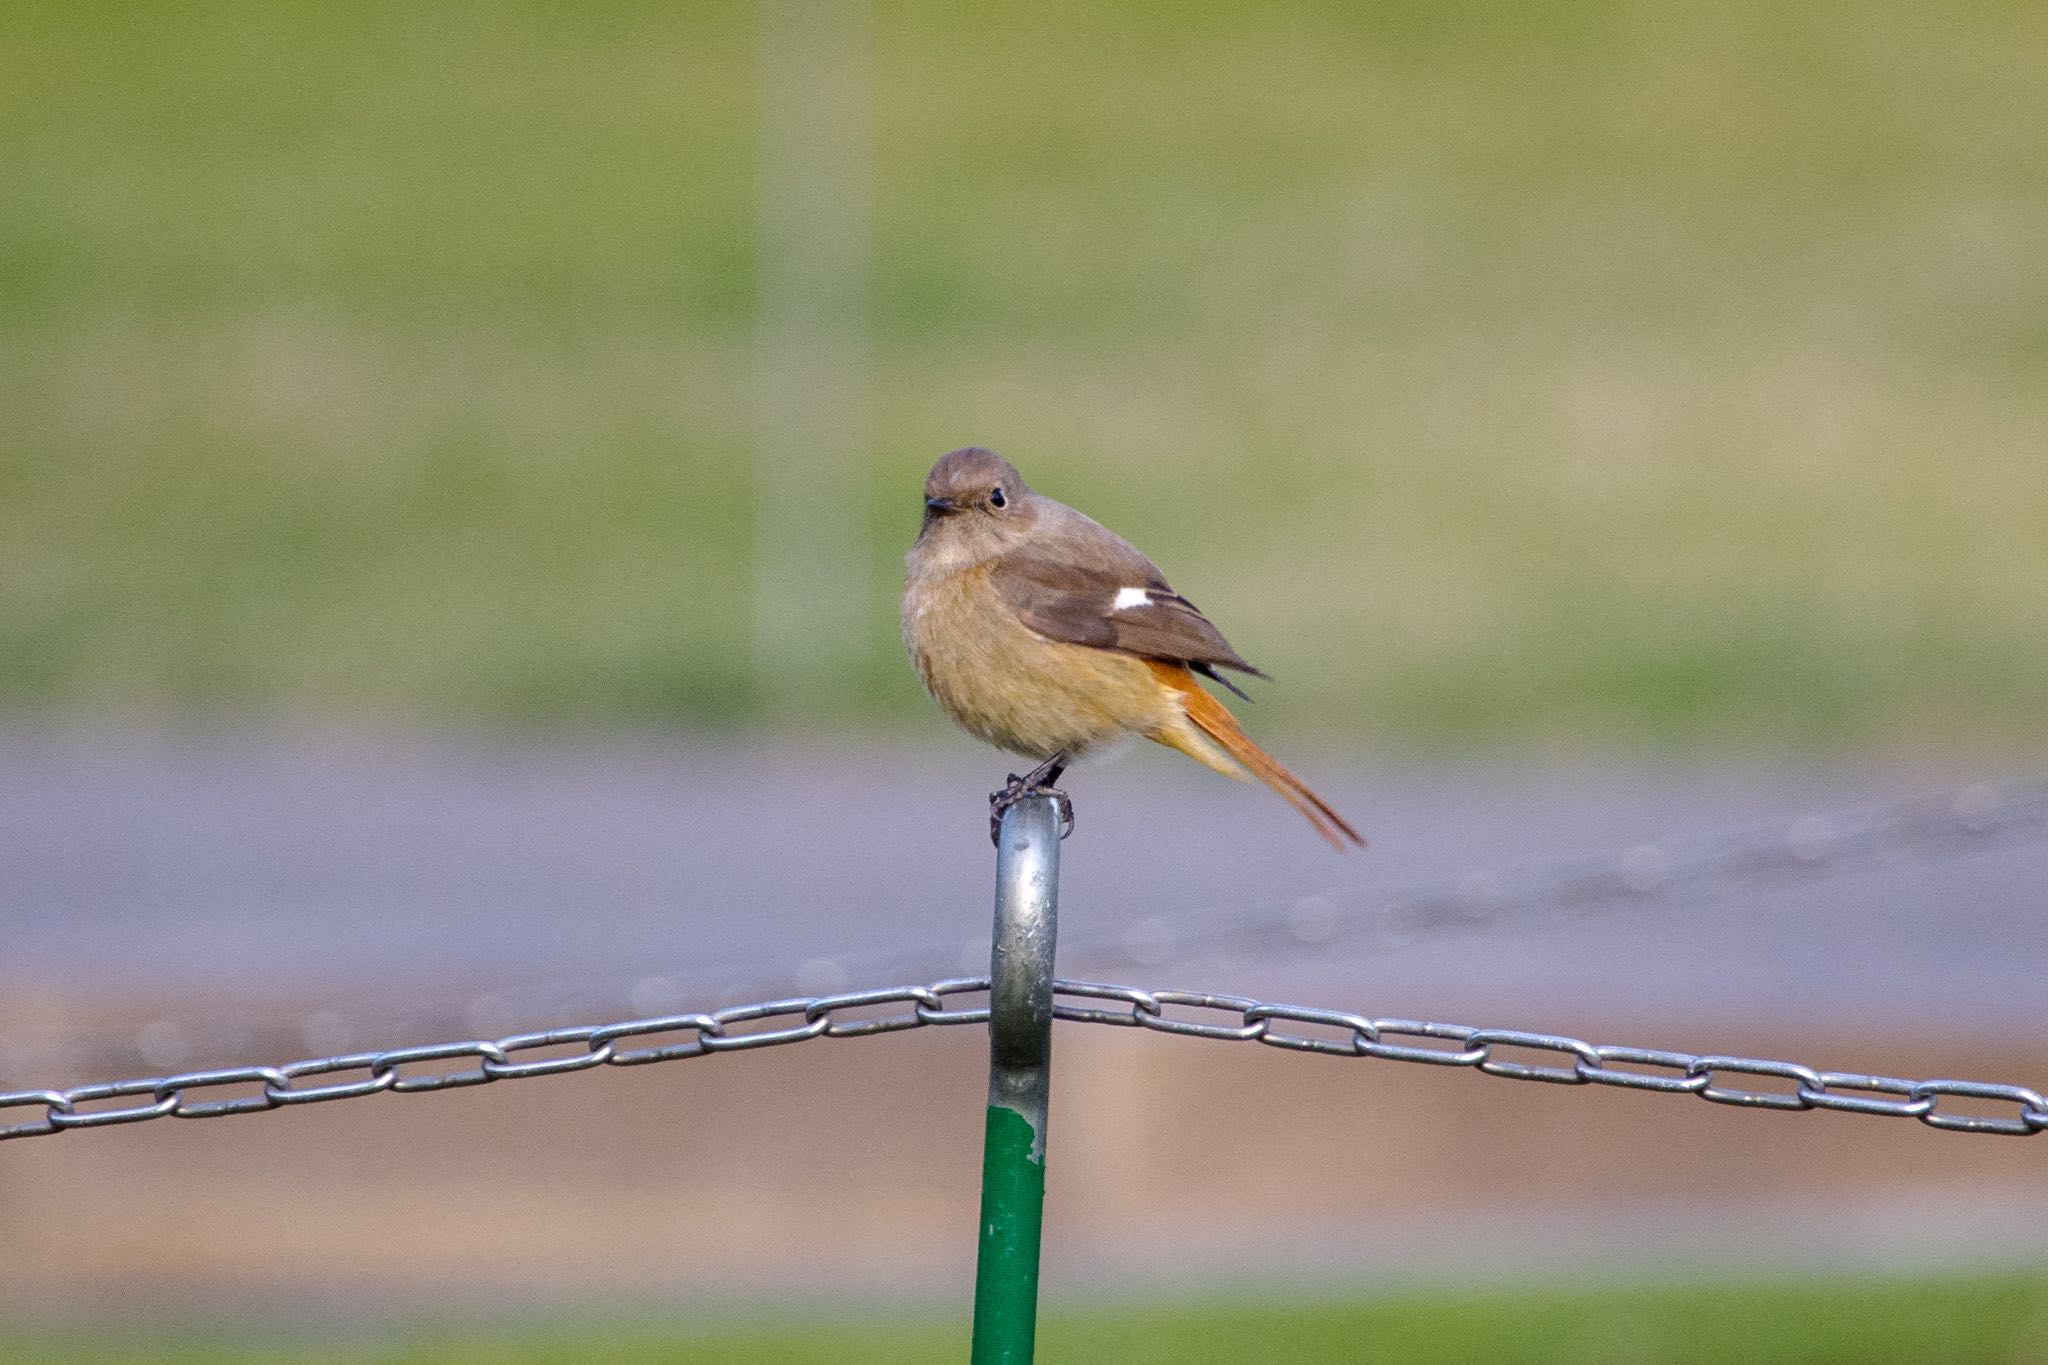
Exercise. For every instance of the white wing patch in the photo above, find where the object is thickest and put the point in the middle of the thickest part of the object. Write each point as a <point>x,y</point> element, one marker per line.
<point>1129,599</point>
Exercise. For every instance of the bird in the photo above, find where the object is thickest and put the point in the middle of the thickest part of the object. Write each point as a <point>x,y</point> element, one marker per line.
<point>1042,632</point>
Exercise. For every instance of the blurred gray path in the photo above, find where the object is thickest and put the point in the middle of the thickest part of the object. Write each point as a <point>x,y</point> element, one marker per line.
<point>373,886</point>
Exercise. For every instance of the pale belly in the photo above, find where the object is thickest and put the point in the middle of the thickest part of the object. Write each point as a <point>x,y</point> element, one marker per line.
<point>1009,686</point>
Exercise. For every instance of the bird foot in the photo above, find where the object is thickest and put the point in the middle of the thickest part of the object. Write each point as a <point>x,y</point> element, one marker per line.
<point>1021,789</point>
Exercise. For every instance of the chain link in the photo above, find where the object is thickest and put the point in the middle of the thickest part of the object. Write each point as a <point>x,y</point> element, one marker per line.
<point>1751,859</point>
<point>1556,1059</point>
<point>1709,1077</point>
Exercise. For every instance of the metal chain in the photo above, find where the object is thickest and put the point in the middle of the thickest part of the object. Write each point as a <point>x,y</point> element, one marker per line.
<point>1631,1068</point>
<point>1967,821</point>
<point>404,1070</point>
<point>852,1015</point>
<point>1970,820</point>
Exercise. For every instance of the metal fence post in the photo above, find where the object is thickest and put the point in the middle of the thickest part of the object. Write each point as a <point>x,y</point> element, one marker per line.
<point>1019,1068</point>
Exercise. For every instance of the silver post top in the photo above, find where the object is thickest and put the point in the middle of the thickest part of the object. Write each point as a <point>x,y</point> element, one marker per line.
<point>1027,903</point>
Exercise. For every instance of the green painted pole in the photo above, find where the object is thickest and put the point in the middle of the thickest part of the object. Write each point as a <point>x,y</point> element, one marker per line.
<point>1019,1069</point>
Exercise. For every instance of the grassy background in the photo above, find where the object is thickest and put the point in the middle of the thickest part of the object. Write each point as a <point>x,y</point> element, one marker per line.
<point>1578,373</point>
<point>1959,1321</point>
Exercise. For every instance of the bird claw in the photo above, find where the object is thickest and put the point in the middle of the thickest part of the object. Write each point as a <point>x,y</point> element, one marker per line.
<point>1018,789</point>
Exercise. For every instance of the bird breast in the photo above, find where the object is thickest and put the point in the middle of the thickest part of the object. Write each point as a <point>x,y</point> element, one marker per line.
<point>1009,686</point>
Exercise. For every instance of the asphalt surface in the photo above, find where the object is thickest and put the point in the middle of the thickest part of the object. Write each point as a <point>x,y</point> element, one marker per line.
<point>357,889</point>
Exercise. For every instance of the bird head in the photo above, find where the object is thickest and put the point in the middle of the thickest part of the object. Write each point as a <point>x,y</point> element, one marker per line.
<point>975,502</point>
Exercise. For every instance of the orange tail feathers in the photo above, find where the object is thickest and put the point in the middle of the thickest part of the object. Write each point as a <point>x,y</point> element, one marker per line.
<point>1213,719</point>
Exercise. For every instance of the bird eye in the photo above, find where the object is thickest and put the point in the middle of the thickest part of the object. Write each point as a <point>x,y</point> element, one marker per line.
<point>995,497</point>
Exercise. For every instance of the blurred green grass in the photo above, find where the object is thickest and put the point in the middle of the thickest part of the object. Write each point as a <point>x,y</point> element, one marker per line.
<point>1873,1321</point>
<point>1581,373</point>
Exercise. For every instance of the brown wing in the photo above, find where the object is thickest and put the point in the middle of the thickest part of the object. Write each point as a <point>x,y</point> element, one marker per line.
<point>1078,581</point>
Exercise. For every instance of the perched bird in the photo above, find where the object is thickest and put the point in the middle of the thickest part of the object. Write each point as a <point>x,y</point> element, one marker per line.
<point>1046,634</point>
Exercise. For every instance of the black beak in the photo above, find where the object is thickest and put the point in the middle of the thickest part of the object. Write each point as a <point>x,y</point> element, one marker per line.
<point>939,507</point>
